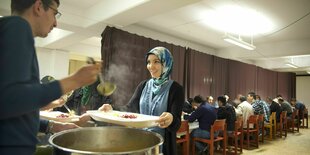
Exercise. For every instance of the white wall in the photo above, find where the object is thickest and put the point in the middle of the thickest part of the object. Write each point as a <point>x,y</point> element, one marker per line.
<point>303,89</point>
<point>53,62</point>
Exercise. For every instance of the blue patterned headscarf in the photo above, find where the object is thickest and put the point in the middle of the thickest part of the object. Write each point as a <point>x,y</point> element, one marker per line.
<point>166,60</point>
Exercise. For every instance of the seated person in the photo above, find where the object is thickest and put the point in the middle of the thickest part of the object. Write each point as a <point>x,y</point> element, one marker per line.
<point>245,110</point>
<point>187,106</point>
<point>79,101</point>
<point>226,111</point>
<point>206,115</point>
<point>275,107</point>
<point>265,107</point>
<point>298,105</point>
<point>83,99</point>
<point>86,98</point>
<point>285,107</point>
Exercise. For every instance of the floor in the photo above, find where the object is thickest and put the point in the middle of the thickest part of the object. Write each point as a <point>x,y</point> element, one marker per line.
<point>293,144</point>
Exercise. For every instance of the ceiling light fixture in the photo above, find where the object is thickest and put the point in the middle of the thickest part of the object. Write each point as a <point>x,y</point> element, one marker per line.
<point>291,65</point>
<point>239,42</point>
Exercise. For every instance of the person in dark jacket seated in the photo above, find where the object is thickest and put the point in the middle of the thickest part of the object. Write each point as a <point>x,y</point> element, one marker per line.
<point>206,115</point>
<point>226,111</point>
<point>187,106</point>
<point>275,107</point>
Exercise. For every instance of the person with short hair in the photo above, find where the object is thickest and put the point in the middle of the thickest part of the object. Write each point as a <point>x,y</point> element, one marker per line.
<point>285,107</point>
<point>298,105</point>
<point>275,107</point>
<point>245,109</point>
<point>265,107</point>
<point>206,115</point>
<point>187,106</point>
<point>22,94</point>
<point>226,111</point>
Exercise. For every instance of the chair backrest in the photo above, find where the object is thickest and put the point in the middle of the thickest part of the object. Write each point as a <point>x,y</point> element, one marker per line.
<point>184,127</point>
<point>283,116</point>
<point>253,119</point>
<point>273,117</point>
<point>219,125</point>
<point>238,124</point>
<point>184,130</point>
<point>261,119</point>
<point>295,114</point>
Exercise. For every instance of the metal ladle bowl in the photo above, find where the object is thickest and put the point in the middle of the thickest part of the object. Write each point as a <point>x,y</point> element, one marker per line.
<point>106,88</point>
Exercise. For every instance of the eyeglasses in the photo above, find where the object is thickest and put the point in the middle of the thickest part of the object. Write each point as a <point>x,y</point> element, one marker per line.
<point>58,14</point>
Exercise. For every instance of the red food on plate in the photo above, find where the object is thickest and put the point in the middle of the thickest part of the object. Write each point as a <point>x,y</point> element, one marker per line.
<point>63,116</point>
<point>130,116</point>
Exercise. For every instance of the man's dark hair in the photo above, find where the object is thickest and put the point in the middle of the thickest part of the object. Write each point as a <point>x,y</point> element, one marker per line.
<point>279,95</point>
<point>252,94</point>
<point>222,99</point>
<point>19,6</point>
<point>242,98</point>
<point>198,99</point>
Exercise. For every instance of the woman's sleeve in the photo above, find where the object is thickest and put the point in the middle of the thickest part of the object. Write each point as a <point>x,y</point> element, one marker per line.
<point>176,100</point>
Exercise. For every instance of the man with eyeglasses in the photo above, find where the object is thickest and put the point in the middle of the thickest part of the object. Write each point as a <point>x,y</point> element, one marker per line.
<point>22,94</point>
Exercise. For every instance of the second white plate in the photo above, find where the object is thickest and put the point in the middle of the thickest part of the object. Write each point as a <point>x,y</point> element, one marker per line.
<point>124,118</point>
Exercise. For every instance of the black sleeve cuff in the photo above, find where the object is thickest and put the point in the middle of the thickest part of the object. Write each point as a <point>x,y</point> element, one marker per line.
<point>43,125</point>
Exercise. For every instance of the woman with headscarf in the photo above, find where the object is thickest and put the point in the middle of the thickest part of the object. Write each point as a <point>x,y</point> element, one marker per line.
<point>159,96</point>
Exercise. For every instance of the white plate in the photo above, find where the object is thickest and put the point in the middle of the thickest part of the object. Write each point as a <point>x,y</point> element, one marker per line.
<point>115,117</point>
<point>52,115</point>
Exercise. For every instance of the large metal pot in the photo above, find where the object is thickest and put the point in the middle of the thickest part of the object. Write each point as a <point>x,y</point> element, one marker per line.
<point>106,140</point>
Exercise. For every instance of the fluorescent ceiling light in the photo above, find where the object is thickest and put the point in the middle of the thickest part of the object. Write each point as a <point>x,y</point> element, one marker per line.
<point>291,65</point>
<point>238,42</point>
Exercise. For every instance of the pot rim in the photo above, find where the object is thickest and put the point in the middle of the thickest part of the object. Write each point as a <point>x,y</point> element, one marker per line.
<point>98,128</point>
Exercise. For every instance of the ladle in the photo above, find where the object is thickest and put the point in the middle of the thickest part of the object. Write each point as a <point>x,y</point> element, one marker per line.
<point>104,87</point>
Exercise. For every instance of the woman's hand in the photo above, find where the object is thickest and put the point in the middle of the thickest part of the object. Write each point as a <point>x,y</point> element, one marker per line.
<point>165,119</point>
<point>105,107</point>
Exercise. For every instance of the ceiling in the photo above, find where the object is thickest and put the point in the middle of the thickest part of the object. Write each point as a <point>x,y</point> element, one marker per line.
<point>181,22</point>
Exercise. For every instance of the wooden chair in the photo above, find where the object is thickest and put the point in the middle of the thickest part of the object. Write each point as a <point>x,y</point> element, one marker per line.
<point>253,120</point>
<point>261,126</point>
<point>304,118</point>
<point>272,124</point>
<point>293,122</point>
<point>183,132</point>
<point>237,134</point>
<point>219,125</point>
<point>282,125</point>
